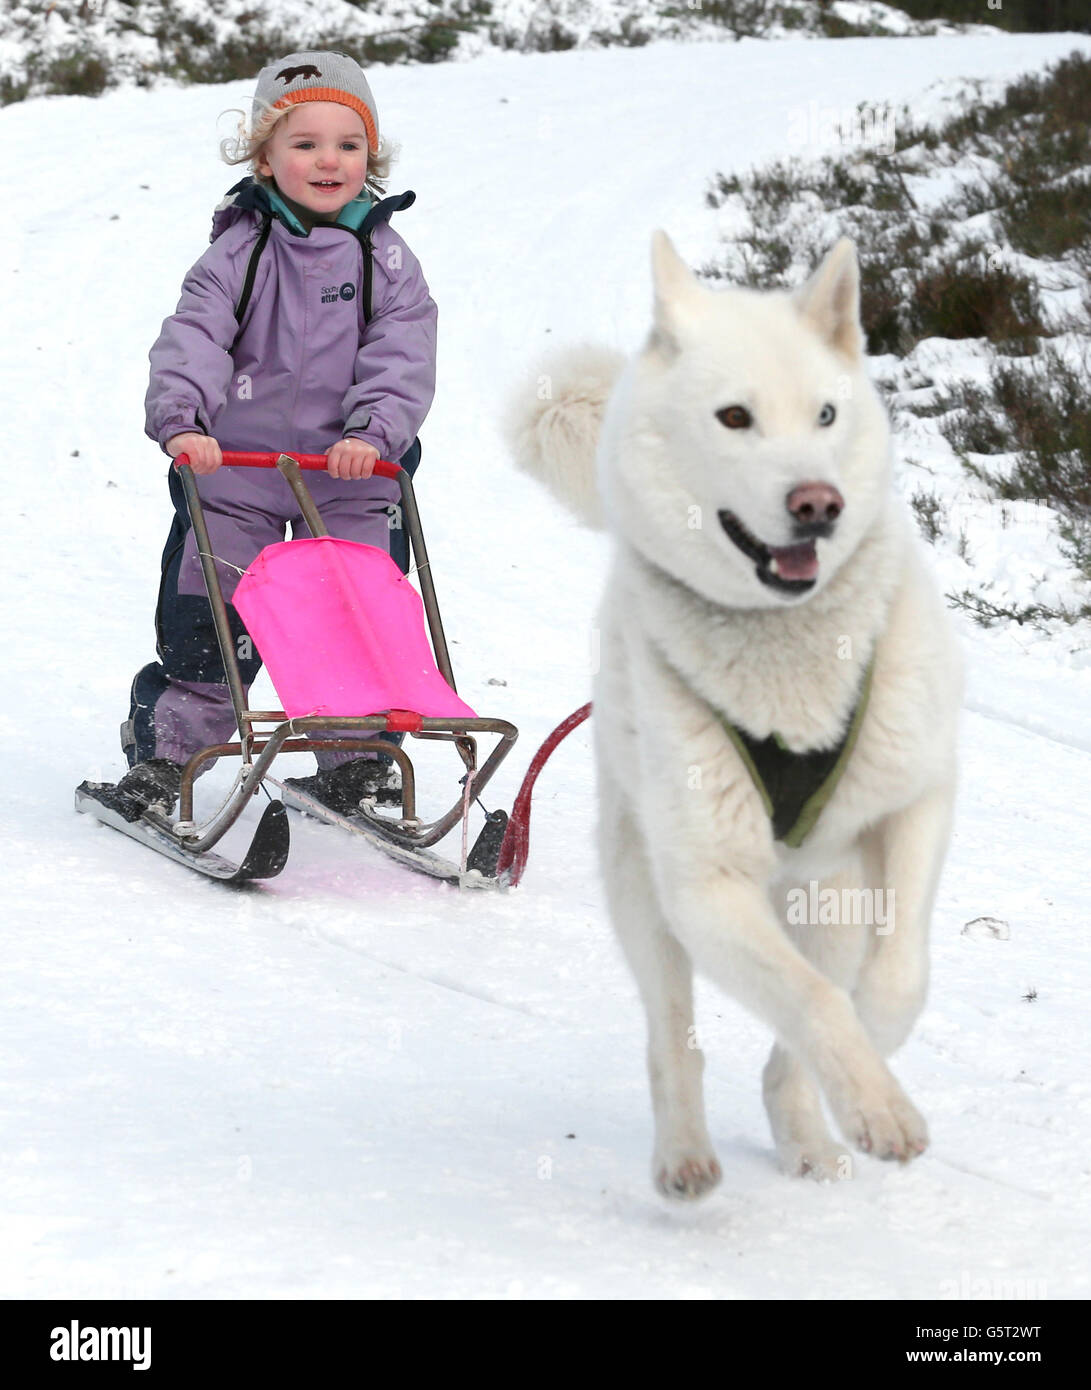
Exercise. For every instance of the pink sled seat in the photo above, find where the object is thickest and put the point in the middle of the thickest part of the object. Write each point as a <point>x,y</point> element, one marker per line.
<point>341,632</point>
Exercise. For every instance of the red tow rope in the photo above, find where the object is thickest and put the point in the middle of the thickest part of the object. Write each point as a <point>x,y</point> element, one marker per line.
<point>516,843</point>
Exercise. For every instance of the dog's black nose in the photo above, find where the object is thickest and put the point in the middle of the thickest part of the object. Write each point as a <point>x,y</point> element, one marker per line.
<point>815,505</point>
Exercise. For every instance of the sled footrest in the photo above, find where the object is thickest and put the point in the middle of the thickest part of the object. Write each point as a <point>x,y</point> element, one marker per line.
<point>486,851</point>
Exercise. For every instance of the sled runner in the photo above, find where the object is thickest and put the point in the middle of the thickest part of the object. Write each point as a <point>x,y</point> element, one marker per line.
<point>342,634</point>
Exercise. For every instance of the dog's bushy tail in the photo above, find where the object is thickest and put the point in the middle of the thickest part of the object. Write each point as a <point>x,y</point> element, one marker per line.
<point>553,421</point>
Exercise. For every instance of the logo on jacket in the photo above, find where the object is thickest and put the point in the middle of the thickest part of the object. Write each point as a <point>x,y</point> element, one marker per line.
<point>287,75</point>
<point>333,294</point>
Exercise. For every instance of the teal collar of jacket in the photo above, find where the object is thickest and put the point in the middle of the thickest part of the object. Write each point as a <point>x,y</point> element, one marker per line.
<point>358,216</point>
<point>351,215</point>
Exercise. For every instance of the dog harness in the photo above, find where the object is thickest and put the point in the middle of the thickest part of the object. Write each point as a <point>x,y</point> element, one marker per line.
<point>795,787</point>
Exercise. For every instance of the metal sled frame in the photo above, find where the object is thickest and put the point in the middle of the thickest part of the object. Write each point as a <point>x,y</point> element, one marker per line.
<point>258,747</point>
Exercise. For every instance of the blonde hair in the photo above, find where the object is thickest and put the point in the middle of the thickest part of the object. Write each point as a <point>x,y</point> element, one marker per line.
<point>245,146</point>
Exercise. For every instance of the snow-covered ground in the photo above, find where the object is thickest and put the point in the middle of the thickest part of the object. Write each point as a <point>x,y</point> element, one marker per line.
<point>354,1082</point>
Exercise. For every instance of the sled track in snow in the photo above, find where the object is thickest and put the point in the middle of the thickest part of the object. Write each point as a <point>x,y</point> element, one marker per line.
<point>1001,717</point>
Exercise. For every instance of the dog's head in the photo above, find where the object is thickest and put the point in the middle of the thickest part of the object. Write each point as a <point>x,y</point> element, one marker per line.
<point>746,451</point>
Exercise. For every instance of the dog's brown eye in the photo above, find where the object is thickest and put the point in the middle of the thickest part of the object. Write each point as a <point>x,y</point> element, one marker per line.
<point>735,417</point>
<point>827,414</point>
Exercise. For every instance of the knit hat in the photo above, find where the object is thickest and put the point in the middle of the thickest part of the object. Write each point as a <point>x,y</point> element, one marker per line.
<point>317,75</point>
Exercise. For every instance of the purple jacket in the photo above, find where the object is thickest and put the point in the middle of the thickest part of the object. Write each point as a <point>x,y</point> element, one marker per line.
<point>303,369</point>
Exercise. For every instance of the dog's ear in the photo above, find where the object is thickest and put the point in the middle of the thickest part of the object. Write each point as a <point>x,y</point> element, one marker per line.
<point>677,292</point>
<point>830,300</point>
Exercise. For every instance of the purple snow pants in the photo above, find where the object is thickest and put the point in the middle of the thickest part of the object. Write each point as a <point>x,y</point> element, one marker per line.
<point>181,702</point>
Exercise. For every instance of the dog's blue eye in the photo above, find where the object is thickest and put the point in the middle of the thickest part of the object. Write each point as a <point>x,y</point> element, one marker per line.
<point>827,414</point>
<point>735,417</point>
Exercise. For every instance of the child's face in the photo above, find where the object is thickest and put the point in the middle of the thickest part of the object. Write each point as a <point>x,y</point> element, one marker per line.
<point>318,156</point>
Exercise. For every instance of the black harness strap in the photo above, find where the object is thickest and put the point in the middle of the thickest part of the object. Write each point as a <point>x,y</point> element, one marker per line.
<point>251,273</point>
<point>381,212</point>
<point>367,250</point>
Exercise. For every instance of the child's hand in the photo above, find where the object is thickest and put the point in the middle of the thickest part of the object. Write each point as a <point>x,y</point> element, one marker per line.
<point>351,458</point>
<point>202,450</point>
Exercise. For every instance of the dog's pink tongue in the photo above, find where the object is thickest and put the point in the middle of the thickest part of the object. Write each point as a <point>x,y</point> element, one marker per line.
<point>794,561</point>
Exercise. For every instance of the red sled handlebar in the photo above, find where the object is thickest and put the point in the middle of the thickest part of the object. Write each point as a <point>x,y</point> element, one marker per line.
<point>235,459</point>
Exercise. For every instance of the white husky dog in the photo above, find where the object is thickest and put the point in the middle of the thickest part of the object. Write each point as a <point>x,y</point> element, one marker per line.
<point>768,598</point>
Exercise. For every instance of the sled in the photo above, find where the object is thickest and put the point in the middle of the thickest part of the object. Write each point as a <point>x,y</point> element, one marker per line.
<point>341,632</point>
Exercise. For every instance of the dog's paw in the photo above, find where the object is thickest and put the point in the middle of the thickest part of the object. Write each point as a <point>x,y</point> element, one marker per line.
<point>886,1126</point>
<point>685,1177</point>
<point>821,1161</point>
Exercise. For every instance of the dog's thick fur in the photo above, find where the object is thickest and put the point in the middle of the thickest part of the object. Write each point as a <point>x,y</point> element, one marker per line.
<point>689,630</point>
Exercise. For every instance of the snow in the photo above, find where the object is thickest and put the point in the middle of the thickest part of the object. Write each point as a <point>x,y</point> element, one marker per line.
<point>353,1082</point>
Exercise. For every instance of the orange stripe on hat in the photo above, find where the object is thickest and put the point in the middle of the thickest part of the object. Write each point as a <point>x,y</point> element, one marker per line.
<point>342,99</point>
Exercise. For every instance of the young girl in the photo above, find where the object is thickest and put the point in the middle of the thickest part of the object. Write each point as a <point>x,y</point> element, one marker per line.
<point>306,327</point>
